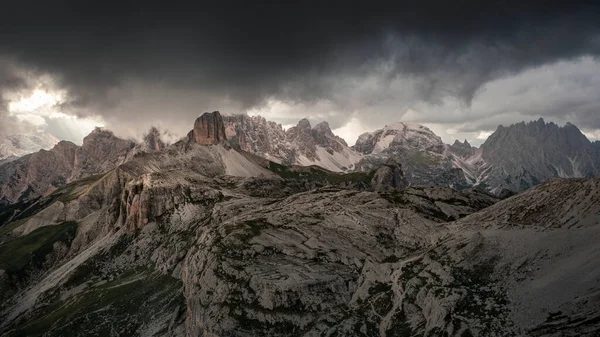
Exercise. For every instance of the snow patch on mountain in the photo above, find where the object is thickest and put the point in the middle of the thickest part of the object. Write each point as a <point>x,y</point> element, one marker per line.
<point>383,144</point>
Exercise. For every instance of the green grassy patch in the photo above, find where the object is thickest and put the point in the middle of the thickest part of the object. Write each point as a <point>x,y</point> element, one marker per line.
<point>12,226</point>
<point>67,193</point>
<point>422,158</point>
<point>33,247</point>
<point>121,306</point>
<point>313,173</point>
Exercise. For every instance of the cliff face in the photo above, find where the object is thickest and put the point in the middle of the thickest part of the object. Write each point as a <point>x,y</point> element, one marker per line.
<point>209,129</point>
<point>256,135</point>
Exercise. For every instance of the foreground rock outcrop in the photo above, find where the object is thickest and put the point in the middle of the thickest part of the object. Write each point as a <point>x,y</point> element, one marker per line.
<point>204,240</point>
<point>389,176</point>
<point>209,240</point>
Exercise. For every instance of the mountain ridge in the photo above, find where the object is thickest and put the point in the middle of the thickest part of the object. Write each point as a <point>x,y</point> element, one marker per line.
<point>506,163</point>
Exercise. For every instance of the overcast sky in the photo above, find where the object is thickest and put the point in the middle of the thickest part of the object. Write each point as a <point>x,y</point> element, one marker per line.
<point>459,67</point>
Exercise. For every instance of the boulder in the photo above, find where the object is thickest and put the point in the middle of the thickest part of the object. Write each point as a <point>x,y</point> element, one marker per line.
<point>389,176</point>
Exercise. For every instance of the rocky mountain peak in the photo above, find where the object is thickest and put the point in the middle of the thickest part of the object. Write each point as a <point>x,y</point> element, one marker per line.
<point>152,140</point>
<point>324,136</point>
<point>304,124</point>
<point>462,149</point>
<point>395,135</point>
<point>97,133</point>
<point>302,129</point>
<point>256,135</point>
<point>101,144</point>
<point>301,136</point>
<point>322,128</point>
<point>65,146</point>
<point>208,129</point>
<point>458,143</point>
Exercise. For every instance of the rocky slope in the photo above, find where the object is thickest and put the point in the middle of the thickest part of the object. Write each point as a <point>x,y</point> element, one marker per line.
<point>8,159</point>
<point>299,145</point>
<point>198,252</point>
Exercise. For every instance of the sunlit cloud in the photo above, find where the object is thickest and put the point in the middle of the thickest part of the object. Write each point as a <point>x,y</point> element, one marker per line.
<point>41,102</point>
<point>483,135</point>
<point>592,134</point>
<point>41,108</point>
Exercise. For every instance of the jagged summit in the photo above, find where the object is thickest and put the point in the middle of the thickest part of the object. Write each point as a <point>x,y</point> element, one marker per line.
<point>462,149</point>
<point>459,143</point>
<point>152,140</point>
<point>513,158</point>
<point>524,154</point>
<point>298,145</point>
<point>40,173</point>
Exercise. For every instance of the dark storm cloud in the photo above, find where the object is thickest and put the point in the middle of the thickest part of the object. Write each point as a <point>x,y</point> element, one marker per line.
<point>129,59</point>
<point>10,79</point>
<point>247,51</point>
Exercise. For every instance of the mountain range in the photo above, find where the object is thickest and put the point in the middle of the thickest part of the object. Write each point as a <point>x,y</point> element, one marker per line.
<point>511,160</point>
<point>204,238</point>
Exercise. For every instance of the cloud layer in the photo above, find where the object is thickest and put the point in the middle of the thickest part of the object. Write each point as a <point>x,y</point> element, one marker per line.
<point>445,63</point>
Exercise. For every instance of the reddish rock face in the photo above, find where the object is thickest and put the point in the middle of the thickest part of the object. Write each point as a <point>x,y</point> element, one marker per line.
<point>208,129</point>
